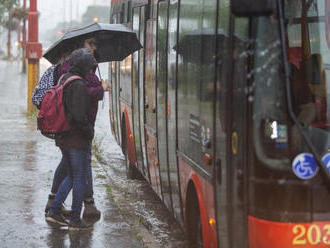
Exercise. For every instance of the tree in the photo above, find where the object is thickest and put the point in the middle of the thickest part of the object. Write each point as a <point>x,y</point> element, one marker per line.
<point>7,20</point>
<point>19,14</point>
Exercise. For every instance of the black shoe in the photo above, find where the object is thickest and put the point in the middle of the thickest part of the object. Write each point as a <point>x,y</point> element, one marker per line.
<point>56,219</point>
<point>49,203</point>
<point>79,225</point>
<point>64,211</point>
<point>91,211</point>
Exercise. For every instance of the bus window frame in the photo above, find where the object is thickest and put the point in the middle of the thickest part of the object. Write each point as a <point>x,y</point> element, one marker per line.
<point>140,3</point>
<point>327,24</point>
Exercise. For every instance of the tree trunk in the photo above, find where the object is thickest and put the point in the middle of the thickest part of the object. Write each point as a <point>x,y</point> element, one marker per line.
<point>18,30</point>
<point>9,39</point>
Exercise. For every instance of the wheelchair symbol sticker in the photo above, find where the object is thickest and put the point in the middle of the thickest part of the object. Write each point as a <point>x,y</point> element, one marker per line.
<point>304,166</point>
<point>326,161</point>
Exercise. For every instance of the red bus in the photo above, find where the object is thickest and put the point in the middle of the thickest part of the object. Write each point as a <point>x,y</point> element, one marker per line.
<point>224,112</point>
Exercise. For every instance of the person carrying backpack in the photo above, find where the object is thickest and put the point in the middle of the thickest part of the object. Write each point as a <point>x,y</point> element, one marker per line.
<point>95,89</point>
<point>75,144</point>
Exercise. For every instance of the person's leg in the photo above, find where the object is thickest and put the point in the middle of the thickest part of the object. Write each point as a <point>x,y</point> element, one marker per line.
<point>62,194</point>
<point>54,215</point>
<point>59,175</point>
<point>90,210</point>
<point>78,160</point>
<point>89,176</point>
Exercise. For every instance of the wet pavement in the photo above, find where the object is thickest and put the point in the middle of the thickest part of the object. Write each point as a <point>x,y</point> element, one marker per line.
<point>132,216</point>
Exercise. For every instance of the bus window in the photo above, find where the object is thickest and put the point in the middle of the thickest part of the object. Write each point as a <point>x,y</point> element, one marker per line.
<point>270,119</point>
<point>310,85</point>
<point>309,60</point>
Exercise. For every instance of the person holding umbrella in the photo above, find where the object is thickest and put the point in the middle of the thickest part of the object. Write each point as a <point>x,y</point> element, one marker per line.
<point>108,42</point>
<point>75,145</point>
<point>95,90</point>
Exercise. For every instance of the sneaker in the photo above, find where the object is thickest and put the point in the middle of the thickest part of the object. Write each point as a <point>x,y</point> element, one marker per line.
<point>64,211</point>
<point>91,211</point>
<point>49,203</point>
<point>79,225</point>
<point>58,219</point>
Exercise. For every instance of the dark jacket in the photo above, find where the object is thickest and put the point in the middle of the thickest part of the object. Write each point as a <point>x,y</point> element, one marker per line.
<point>77,106</point>
<point>94,87</point>
<point>78,114</point>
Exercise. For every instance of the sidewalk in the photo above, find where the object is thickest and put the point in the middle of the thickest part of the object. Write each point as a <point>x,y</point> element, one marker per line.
<point>132,215</point>
<point>27,164</point>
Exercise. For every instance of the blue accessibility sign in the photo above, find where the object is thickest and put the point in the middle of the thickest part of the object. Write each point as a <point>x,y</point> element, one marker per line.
<point>326,161</point>
<point>304,166</point>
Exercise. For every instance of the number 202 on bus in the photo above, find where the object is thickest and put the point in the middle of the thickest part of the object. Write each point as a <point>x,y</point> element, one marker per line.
<point>311,235</point>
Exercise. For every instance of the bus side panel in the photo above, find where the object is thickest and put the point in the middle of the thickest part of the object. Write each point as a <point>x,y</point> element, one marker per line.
<point>150,105</point>
<point>111,104</point>
<point>172,107</point>
<point>204,190</point>
<point>161,65</point>
<point>136,96</point>
<point>113,99</point>
<point>153,163</point>
<point>263,233</point>
<point>127,114</point>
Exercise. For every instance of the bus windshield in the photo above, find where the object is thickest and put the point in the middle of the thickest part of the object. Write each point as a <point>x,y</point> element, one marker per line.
<point>308,53</point>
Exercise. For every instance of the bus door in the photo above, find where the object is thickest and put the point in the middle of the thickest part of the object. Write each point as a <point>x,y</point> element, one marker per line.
<point>162,22</point>
<point>115,93</point>
<point>138,92</point>
<point>150,102</point>
<point>172,106</point>
<point>231,130</point>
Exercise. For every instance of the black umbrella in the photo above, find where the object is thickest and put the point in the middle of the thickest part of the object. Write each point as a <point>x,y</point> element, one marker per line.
<point>114,42</point>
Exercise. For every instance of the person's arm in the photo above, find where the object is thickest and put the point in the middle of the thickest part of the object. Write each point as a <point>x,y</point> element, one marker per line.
<point>94,88</point>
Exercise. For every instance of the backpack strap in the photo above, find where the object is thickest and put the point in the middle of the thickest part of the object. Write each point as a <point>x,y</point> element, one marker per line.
<point>70,79</point>
<point>60,79</point>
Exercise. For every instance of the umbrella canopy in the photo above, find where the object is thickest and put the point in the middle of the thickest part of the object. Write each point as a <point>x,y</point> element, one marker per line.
<point>114,42</point>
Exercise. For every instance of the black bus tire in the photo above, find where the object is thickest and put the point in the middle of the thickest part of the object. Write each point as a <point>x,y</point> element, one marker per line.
<point>194,224</point>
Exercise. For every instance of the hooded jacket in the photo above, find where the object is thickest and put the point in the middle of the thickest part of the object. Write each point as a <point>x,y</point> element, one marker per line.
<point>94,87</point>
<point>77,103</point>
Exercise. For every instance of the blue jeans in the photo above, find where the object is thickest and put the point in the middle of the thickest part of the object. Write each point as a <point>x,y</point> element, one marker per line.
<point>76,162</point>
<point>61,173</point>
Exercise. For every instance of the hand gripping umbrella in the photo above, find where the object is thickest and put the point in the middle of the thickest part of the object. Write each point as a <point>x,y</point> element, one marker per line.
<point>114,42</point>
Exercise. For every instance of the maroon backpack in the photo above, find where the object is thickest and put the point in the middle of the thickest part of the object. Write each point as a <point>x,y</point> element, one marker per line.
<point>51,117</point>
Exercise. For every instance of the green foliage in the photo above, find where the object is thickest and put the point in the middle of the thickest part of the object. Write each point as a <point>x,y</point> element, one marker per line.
<point>10,24</point>
<point>8,4</point>
<point>19,13</point>
<point>6,7</point>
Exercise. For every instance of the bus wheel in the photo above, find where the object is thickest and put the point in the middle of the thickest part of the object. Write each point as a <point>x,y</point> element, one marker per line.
<point>195,234</point>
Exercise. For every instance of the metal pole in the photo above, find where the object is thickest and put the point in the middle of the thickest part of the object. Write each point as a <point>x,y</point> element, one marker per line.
<point>24,41</point>
<point>33,52</point>
<point>70,14</point>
